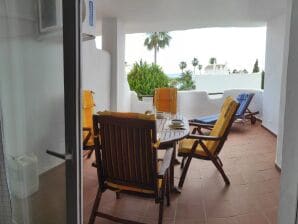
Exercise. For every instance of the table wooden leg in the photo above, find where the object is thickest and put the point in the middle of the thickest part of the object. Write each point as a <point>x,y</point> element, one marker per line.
<point>176,161</point>
<point>174,189</point>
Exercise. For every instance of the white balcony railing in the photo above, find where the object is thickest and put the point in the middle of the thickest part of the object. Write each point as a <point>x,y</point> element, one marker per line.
<point>198,103</point>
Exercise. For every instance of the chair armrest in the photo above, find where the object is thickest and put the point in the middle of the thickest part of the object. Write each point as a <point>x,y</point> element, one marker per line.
<point>197,124</point>
<point>251,113</point>
<point>166,163</point>
<point>86,129</point>
<point>204,137</point>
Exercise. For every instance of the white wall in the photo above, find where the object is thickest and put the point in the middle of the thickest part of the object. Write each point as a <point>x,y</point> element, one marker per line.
<point>96,74</point>
<point>220,83</point>
<point>194,104</point>
<point>113,41</point>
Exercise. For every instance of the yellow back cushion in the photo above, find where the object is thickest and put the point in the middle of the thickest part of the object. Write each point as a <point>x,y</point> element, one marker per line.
<point>88,108</point>
<point>165,100</point>
<point>226,115</point>
<point>128,115</point>
<point>87,113</point>
<point>88,100</point>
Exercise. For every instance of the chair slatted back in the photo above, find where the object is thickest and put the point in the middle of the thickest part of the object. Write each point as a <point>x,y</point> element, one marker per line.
<point>127,154</point>
<point>165,100</point>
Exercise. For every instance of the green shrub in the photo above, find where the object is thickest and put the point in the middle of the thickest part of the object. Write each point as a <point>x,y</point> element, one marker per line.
<point>144,78</point>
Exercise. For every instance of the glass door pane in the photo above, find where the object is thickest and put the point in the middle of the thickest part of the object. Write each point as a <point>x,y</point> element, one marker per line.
<point>32,104</point>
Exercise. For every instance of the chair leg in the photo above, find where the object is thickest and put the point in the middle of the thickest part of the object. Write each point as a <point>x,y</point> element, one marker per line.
<point>182,162</point>
<point>89,154</point>
<point>253,119</point>
<point>117,195</point>
<point>219,161</point>
<point>161,202</point>
<point>160,212</point>
<point>95,207</point>
<point>168,190</point>
<point>183,175</point>
<point>220,169</point>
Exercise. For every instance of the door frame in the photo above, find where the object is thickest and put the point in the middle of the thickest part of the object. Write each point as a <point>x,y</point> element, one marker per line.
<point>72,105</point>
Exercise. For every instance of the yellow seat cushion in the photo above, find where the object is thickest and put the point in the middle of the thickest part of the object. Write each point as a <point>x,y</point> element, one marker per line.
<point>165,100</point>
<point>134,189</point>
<point>228,109</point>
<point>186,144</point>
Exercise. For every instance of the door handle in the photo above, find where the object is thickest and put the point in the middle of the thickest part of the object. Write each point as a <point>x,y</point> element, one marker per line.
<point>66,156</point>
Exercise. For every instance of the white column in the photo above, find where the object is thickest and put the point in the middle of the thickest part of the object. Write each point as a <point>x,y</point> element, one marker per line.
<point>282,102</point>
<point>273,71</point>
<point>289,179</point>
<point>113,41</point>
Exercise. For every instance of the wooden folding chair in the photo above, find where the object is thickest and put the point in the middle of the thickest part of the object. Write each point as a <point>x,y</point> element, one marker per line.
<point>208,147</point>
<point>126,160</point>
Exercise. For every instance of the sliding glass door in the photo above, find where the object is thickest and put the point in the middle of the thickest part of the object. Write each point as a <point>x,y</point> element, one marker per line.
<point>40,112</point>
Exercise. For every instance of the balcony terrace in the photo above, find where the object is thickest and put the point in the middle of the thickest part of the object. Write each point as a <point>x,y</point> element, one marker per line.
<point>249,161</point>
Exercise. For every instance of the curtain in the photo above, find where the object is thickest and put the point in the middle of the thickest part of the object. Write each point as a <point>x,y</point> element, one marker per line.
<point>5,203</point>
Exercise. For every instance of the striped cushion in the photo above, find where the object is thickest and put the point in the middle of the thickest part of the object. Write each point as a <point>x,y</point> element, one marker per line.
<point>211,119</point>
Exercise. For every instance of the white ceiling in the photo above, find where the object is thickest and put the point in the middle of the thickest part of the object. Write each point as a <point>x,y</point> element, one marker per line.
<point>167,15</point>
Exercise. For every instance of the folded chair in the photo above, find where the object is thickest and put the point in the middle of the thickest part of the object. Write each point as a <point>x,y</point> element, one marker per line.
<point>208,147</point>
<point>87,113</point>
<point>165,100</point>
<point>242,113</point>
<point>126,160</point>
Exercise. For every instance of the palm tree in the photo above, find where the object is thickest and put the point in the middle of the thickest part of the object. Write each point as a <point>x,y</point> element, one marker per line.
<point>195,63</point>
<point>156,41</point>
<point>182,65</point>
<point>186,82</point>
<point>200,68</point>
<point>212,61</point>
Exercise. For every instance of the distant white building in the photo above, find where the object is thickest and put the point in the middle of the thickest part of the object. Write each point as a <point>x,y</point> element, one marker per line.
<point>216,69</point>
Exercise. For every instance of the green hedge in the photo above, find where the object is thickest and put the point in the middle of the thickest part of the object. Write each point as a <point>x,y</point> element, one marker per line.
<point>144,78</point>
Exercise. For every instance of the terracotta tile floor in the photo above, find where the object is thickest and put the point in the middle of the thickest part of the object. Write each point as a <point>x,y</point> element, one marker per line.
<point>252,198</point>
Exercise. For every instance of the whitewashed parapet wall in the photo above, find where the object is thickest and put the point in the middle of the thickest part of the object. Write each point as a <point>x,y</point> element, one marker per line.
<point>220,83</point>
<point>198,103</point>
